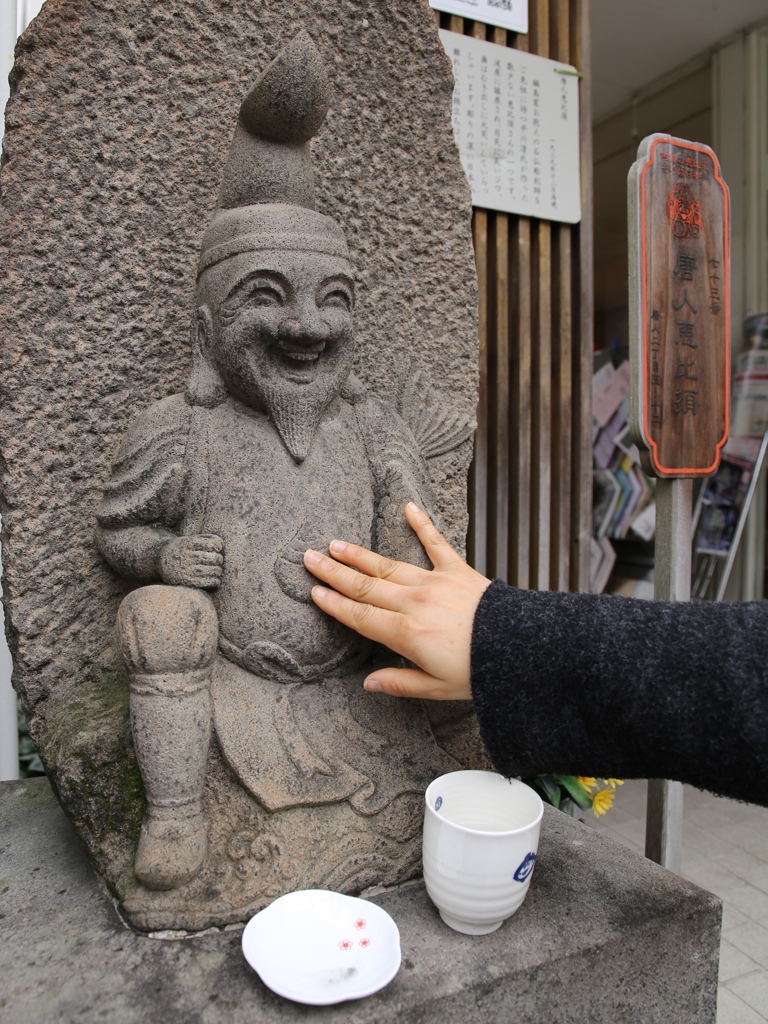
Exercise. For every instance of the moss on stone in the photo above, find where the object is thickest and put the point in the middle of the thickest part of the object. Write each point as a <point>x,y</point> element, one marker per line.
<point>90,759</point>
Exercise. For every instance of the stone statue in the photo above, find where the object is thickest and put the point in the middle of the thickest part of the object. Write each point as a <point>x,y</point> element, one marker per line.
<point>216,493</point>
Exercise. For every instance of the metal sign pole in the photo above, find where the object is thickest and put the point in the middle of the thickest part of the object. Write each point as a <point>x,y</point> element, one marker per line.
<point>672,582</point>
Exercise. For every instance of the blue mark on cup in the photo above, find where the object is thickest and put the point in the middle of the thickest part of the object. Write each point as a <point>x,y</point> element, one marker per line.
<point>525,868</point>
<point>438,803</point>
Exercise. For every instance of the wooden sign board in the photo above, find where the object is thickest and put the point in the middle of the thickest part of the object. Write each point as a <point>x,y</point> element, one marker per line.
<point>678,307</point>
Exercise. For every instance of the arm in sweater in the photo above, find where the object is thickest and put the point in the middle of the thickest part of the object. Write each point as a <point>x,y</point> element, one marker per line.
<point>607,686</point>
<point>570,683</point>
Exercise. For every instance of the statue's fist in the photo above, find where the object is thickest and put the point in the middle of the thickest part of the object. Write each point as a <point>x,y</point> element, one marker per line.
<point>193,561</point>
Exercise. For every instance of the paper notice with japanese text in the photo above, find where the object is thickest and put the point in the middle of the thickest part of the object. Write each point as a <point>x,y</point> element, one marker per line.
<point>509,14</point>
<point>516,124</point>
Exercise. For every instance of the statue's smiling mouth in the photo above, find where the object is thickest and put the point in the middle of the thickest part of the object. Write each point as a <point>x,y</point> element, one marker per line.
<point>302,357</point>
<point>306,355</point>
<point>298,363</point>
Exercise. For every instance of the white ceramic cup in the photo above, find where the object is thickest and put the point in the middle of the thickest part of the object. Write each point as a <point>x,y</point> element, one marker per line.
<point>481,836</point>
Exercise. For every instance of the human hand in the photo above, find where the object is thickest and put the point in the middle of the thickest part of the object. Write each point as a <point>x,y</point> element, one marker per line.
<point>424,616</point>
<point>192,561</point>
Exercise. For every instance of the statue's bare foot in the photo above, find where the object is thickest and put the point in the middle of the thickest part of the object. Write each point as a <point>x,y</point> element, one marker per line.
<point>171,849</point>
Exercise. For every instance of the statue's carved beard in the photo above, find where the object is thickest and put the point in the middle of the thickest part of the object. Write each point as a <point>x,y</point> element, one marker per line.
<point>296,409</point>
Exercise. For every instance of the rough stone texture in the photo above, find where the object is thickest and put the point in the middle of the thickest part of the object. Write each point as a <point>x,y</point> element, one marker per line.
<point>117,133</point>
<point>604,936</point>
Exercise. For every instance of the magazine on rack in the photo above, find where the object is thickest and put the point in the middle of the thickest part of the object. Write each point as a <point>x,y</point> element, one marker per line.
<point>721,506</point>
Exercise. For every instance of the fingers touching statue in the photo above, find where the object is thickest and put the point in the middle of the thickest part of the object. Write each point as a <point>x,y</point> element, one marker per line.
<point>426,616</point>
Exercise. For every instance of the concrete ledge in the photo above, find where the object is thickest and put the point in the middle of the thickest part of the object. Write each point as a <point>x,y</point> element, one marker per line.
<point>604,936</point>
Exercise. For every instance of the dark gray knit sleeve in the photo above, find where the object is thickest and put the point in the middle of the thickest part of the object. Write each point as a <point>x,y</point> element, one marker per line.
<point>604,686</point>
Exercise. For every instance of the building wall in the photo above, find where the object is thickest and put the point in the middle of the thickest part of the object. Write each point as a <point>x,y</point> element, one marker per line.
<point>740,126</point>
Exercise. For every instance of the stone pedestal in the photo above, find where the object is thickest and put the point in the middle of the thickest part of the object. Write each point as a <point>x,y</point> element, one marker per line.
<point>604,936</point>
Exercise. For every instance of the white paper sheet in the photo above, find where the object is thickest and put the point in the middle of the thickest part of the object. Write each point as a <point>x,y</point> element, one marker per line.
<point>516,123</point>
<point>510,14</point>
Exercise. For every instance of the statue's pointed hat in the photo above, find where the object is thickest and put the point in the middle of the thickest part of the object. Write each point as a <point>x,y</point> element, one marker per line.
<point>267,198</point>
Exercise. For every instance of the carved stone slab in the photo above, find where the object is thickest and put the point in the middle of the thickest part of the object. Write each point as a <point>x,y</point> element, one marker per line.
<point>117,134</point>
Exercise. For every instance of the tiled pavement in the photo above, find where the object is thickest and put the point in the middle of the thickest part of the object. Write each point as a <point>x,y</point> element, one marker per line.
<point>725,850</point>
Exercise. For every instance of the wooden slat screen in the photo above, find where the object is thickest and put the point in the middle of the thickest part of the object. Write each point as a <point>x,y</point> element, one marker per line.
<point>530,485</point>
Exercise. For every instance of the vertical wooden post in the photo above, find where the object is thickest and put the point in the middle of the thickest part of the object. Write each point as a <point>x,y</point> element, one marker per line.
<point>521,411</point>
<point>501,410</point>
<point>541,441</point>
<point>562,370</point>
<point>479,479</point>
<point>581,481</point>
<point>501,405</point>
<point>480,509</point>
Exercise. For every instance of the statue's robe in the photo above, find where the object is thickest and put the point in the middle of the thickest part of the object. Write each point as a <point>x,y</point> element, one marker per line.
<point>290,714</point>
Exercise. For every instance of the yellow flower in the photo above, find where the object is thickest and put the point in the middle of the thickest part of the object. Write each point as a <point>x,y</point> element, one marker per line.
<point>613,783</point>
<point>602,800</point>
<point>587,783</point>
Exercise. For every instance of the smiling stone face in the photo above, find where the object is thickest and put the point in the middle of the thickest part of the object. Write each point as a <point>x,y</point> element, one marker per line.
<point>278,329</point>
<point>281,316</point>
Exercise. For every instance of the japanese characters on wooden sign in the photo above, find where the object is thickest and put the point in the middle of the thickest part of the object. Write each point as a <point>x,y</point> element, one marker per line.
<point>516,123</point>
<point>679,307</point>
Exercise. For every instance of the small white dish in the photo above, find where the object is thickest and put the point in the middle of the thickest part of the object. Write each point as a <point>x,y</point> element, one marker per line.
<point>319,947</point>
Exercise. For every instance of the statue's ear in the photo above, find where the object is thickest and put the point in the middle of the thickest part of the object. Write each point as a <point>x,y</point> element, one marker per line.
<point>205,386</point>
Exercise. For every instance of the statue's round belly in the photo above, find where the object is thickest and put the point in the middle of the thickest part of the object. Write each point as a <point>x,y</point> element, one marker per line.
<point>268,510</point>
<point>250,617</point>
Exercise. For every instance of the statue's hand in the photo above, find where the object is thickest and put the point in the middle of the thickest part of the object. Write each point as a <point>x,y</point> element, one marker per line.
<point>193,561</point>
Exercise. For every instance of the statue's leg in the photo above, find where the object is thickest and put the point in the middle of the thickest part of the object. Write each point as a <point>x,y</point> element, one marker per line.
<point>168,639</point>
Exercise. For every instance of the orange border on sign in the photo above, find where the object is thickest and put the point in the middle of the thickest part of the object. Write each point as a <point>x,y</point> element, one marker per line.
<point>653,447</point>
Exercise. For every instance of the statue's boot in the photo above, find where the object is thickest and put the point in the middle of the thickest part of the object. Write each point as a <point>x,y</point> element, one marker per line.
<point>168,639</point>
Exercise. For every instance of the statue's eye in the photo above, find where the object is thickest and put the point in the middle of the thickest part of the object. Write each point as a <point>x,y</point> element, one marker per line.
<point>338,298</point>
<point>265,295</point>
